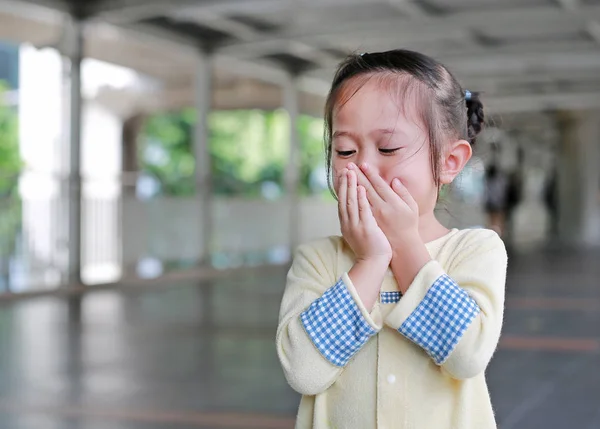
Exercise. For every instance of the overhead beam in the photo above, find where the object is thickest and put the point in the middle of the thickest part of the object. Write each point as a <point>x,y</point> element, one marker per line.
<point>458,34</point>
<point>253,7</point>
<point>493,84</point>
<point>593,29</point>
<point>31,10</point>
<point>517,65</point>
<point>249,34</point>
<point>216,22</point>
<point>570,5</point>
<point>432,27</point>
<point>16,27</point>
<point>246,95</point>
<point>543,102</point>
<point>134,10</point>
<point>297,48</point>
<point>546,76</point>
<point>264,46</point>
<point>128,11</point>
<point>250,7</point>
<point>209,15</point>
<point>523,63</point>
<point>407,7</point>
<point>259,70</point>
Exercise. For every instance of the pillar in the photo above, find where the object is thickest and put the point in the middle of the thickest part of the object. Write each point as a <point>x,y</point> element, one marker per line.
<point>130,166</point>
<point>579,178</point>
<point>203,175</point>
<point>74,45</point>
<point>292,172</point>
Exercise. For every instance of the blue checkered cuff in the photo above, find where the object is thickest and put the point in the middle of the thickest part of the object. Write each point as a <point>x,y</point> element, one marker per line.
<point>390,297</point>
<point>441,319</point>
<point>336,326</point>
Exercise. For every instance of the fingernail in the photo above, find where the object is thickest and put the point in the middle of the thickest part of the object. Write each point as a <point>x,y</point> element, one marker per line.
<point>365,166</point>
<point>351,166</point>
<point>396,182</point>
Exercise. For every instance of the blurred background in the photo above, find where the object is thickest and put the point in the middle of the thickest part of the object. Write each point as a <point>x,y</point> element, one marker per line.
<point>159,162</point>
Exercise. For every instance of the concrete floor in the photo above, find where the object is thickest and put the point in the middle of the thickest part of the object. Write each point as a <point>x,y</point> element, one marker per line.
<point>201,354</point>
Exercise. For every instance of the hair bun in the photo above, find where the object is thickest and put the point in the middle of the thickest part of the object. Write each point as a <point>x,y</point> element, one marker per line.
<point>475,116</point>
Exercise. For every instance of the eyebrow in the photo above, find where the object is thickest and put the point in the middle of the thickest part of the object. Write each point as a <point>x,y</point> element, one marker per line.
<point>345,134</point>
<point>379,131</point>
<point>386,131</point>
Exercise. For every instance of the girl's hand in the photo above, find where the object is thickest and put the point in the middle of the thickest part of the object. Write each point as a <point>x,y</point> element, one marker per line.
<point>359,227</point>
<point>395,210</point>
<point>397,213</point>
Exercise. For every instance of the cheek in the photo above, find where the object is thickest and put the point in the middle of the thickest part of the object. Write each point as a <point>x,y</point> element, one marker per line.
<point>337,165</point>
<point>417,177</point>
<point>336,183</point>
<point>335,171</point>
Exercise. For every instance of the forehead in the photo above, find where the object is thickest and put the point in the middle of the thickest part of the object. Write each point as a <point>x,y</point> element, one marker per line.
<point>374,101</point>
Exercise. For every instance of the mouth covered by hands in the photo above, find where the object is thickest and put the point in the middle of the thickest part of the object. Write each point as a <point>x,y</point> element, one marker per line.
<point>393,207</point>
<point>358,224</point>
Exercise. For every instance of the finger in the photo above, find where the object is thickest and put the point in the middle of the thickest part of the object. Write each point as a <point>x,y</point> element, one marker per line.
<point>372,194</point>
<point>352,199</point>
<point>364,209</point>
<point>342,192</point>
<point>384,190</point>
<point>404,194</point>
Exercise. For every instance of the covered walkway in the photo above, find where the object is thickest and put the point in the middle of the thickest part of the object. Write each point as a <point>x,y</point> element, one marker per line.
<point>195,348</point>
<point>537,62</point>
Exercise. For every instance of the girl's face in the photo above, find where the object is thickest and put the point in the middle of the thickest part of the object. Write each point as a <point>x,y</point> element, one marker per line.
<point>371,128</point>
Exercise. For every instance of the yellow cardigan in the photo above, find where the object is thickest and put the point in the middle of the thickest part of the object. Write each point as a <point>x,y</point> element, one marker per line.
<point>415,361</point>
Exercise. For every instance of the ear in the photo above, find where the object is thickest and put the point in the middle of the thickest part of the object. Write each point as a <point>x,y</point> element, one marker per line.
<point>454,160</point>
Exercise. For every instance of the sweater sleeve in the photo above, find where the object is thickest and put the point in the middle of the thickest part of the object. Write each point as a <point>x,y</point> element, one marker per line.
<point>322,321</point>
<point>456,316</point>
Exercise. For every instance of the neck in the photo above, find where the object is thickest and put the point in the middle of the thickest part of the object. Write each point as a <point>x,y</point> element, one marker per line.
<point>430,228</point>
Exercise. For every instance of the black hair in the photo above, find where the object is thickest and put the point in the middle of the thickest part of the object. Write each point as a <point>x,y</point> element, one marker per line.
<point>444,107</point>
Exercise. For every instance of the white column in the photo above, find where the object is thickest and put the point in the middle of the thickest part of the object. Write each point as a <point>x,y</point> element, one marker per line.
<point>579,178</point>
<point>292,172</point>
<point>74,47</point>
<point>203,174</point>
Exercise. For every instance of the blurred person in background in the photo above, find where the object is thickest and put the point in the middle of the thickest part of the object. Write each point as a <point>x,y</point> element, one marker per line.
<point>550,198</point>
<point>514,194</point>
<point>497,186</point>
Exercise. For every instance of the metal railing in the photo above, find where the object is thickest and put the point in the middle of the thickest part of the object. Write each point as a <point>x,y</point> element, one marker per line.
<point>34,225</point>
<point>124,233</point>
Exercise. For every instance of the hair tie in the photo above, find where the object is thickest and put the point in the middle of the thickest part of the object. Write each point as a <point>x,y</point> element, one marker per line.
<point>467,95</point>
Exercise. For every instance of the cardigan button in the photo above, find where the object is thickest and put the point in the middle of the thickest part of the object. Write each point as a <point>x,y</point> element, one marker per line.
<point>391,378</point>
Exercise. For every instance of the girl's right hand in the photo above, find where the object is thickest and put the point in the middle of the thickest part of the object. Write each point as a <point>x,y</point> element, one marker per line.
<point>359,228</point>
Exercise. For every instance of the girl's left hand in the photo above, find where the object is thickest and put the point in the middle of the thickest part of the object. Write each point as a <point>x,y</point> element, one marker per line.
<point>393,207</point>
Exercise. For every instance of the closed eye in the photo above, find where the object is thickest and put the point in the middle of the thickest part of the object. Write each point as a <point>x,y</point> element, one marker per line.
<point>345,152</point>
<point>389,151</point>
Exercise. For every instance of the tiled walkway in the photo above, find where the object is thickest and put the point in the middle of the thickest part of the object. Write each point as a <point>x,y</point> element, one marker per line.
<point>201,354</point>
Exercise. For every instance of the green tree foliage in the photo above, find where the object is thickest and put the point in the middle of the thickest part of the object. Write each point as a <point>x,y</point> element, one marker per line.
<point>10,160</point>
<point>312,159</point>
<point>247,147</point>
<point>10,167</point>
<point>167,152</point>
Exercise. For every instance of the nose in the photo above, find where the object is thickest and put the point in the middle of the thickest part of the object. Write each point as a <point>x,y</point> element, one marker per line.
<point>368,158</point>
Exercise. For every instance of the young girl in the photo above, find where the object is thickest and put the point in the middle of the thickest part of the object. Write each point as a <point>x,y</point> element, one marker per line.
<point>393,324</point>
